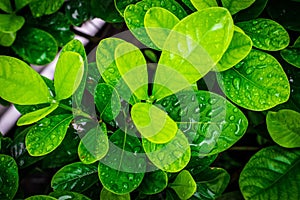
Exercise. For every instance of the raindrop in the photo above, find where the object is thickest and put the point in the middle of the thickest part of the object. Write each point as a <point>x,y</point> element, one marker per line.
<point>177,154</point>
<point>249,70</point>
<point>125,185</point>
<point>162,3</point>
<point>174,8</point>
<point>254,22</point>
<point>236,83</point>
<point>130,177</point>
<point>240,64</point>
<point>231,118</point>
<point>262,57</point>
<point>267,41</point>
<point>111,70</point>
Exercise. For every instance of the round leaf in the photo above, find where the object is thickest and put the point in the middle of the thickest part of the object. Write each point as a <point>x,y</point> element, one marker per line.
<point>75,177</point>
<point>47,134</point>
<point>7,39</point>
<point>106,10</point>
<point>266,34</point>
<point>40,197</point>
<point>270,172</point>
<point>235,6</point>
<point>44,7</point>
<point>11,23</point>
<point>107,195</point>
<point>284,127</point>
<point>77,11</point>
<point>202,4</point>
<point>5,5</point>
<point>256,83</point>
<point>292,54</point>
<point>60,195</point>
<point>153,123</point>
<point>21,84</point>
<point>122,4</point>
<point>154,182</point>
<point>170,157</point>
<point>9,177</point>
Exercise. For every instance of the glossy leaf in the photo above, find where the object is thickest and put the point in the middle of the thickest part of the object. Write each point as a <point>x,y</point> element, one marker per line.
<point>16,85</point>
<point>106,10</point>
<point>5,5</point>
<point>197,50</point>
<point>251,12</point>
<point>7,39</point>
<point>77,11</point>
<point>198,164</point>
<point>75,177</point>
<point>40,197</point>
<point>133,71</point>
<point>292,54</point>
<point>184,185</point>
<point>270,172</point>
<point>170,157</point>
<point>44,7</point>
<point>124,162</point>
<point>235,6</point>
<point>60,195</point>
<point>202,4</point>
<point>154,182</point>
<point>240,46</point>
<point>284,127</point>
<point>68,74</point>
<point>153,123</point>
<point>9,177</point>
<point>21,3</point>
<point>122,4</point>
<point>189,4</point>
<point>47,134</point>
<point>256,83</point>
<point>94,145</point>
<point>11,23</point>
<point>158,23</point>
<point>135,13</point>
<point>211,123</point>
<point>35,46</point>
<point>37,115</point>
<point>266,34</point>
<point>107,195</point>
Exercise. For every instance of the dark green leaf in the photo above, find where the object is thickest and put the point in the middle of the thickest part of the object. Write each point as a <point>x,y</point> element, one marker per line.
<point>202,4</point>
<point>21,84</point>
<point>11,23</point>
<point>106,10</point>
<point>122,4</point>
<point>272,173</point>
<point>235,6</point>
<point>77,11</point>
<point>6,6</point>
<point>40,197</point>
<point>7,39</point>
<point>35,46</point>
<point>198,164</point>
<point>9,177</point>
<point>21,3</point>
<point>44,7</point>
<point>251,12</point>
<point>47,134</point>
<point>154,182</point>
<point>63,195</point>
<point>292,54</point>
<point>235,195</point>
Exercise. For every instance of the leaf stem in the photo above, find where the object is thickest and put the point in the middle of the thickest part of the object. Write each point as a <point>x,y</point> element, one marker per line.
<point>75,111</point>
<point>244,148</point>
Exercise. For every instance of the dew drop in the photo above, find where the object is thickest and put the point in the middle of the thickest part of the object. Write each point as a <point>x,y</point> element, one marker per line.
<point>236,83</point>
<point>162,3</point>
<point>177,154</point>
<point>125,185</point>
<point>267,41</point>
<point>231,118</point>
<point>262,57</point>
<point>249,70</point>
<point>111,70</point>
<point>174,8</point>
<point>130,177</point>
<point>239,65</point>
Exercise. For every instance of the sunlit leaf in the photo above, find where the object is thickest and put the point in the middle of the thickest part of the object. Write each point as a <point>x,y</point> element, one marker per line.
<point>202,4</point>
<point>11,23</point>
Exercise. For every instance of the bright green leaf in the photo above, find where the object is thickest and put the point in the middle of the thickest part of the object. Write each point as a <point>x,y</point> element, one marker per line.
<point>37,115</point>
<point>257,83</point>
<point>106,10</point>
<point>122,4</point>
<point>153,123</point>
<point>94,145</point>
<point>124,162</point>
<point>107,195</point>
<point>266,34</point>
<point>272,173</point>
<point>11,23</point>
<point>6,6</point>
<point>292,54</point>
<point>7,39</point>
<point>202,4</point>
<point>35,46</point>
<point>154,182</point>
<point>75,177</point>
<point>68,74</point>
<point>158,23</point>
<point>47,134</point>
<point>170,157</point>
<point>44,7</point>
<point>21,84</point>
<point>62,195</point>
<point>192,52</point>
<point>235,6</point>
<point>40,197</point>
<point>284,127</point>
<point>184,185</point>
<point>21,3</point>
<point>9,177</point>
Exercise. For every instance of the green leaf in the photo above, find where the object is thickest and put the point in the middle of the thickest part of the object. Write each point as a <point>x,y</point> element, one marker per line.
<point>256,83</point>
<point>11,23</point>
<point>107,195</point>
<point>211,183</point>
<point>68,74</point>
<point>266,34</point>
<point>21,84</point>
<point>292,54</point>
<point>124,162</point>
<point>135,13</point>
<point>77,11</point>
<point>7,39</point>
<point>122,4</point>
<point>198,164</point>
<point>44,7</point>
<point>211,123</point>
<point>40,197</point>
<point>6,6</point>
<point>251,12</point>
<point>35,46</point>
<point>21,3</point>
<point>37,115</point>
<point>170,157</point>
<point>284,127</point>
<point>107,101</point>
<point>158,23</point>
<point>272,173</point>
<point>60,195</point>
<point>240,46</point>
<point>153,123</point>
<point>184,185</point>
<point>94,145</point>
<point>106,10</point>
<point>197,50</point>
<point>154,182</point>
<point>235,195</point>
<point>75,177</point>
<point>189,4</point>
<point>47,134</point>
<point>9,177</point>
<point>133,71</point>
<point>235,6</point>
<point>202,4</point>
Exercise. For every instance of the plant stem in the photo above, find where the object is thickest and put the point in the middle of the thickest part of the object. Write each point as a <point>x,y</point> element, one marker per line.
<point>75,111</point>
<point>244,148</point>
